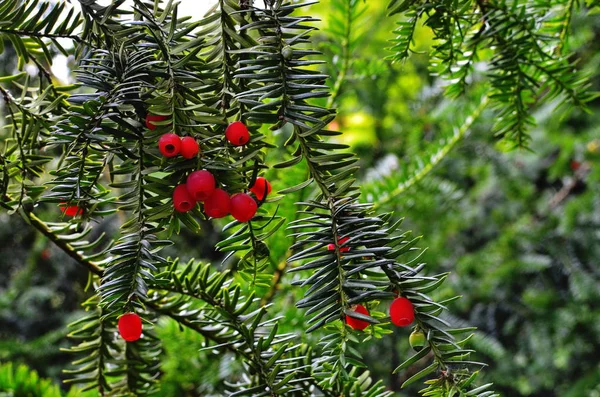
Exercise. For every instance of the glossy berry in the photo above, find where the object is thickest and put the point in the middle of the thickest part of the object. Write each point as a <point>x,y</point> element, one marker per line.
<point>417,340</point>
<point>218,204</point>
<point>355,323</point>
<point>130,327</point>
<point>150,118</point>
<point>201,184</point>
<point>237,133</point>
<point>182,199</point>
<point>261,185</point>
<point>342,241</point>
<point>243,207</point>
<point>70,210</point>
<point>189,147</point>
<point>169,145</point>
<point>402,312</point>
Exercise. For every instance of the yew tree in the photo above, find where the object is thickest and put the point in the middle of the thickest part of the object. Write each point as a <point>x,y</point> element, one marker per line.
<point>177,122</point>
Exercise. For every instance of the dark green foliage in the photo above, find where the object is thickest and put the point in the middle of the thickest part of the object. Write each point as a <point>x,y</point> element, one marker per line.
<point>520,43</point>
<point>257,65</point>
<point>232,321</point>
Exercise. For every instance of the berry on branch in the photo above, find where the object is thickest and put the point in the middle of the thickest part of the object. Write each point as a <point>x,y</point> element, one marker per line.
<point>201,184</point>
<point>182,199</point>
<point>402,312</point>
<point>417,340</point>
<point>261,188</point>
<point>70,210</point>
<point>218,204</point>
<point>243,207</point>
<point>355,323</point>
<point>342,241</point>
<point>130,327</point>
<point>150,118</point>
<point>189,147</point>
<point>169,145</point>
<point>237,133</point>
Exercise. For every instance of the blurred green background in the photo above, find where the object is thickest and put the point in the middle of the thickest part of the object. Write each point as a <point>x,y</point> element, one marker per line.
<point>519,231</point>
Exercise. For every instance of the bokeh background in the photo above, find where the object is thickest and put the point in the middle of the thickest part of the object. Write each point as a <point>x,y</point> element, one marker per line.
<point>518,230</point>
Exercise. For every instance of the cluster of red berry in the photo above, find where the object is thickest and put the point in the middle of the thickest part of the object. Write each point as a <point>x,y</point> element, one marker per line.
<point>201,185</point>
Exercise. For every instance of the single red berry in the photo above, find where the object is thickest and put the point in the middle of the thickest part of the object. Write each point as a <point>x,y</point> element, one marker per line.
<point>169,145</point>
<point>575,165</point>
<point>402,312</point>
<point>261,185</point>
<point>70,210</point>
<point>243,207</point>
<point>237,133</point>
<point>218,204</point>
<point>189,147</point>
<point>201,184</point>
<point>154,117</point>
<point>342,241</point>
<point>45,255</point>
<point>182,199</point>
<point>356,323</point>
<point>130,327</point>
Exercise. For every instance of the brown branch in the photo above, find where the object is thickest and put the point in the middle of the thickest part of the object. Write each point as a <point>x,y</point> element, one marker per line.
<point>66,247</point>
<point>564,192</point>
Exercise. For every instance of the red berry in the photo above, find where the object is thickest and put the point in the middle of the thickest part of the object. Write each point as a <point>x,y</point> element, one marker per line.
<point>182,199</point>
<point>356,323</point>
<point>342,241</point>
<point>169,145</point>
<point>45,255</point>
<point>237,133</point>
<point>130,327</point>
<point>189,147</point>
<point>154,117</point>
<point>575,165</point>
<point>201,184</point>
<point>70,210</point>
<point>402,312</point>
<point>243,207</point>
<point>218,204</point>
<point>261,185</point>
